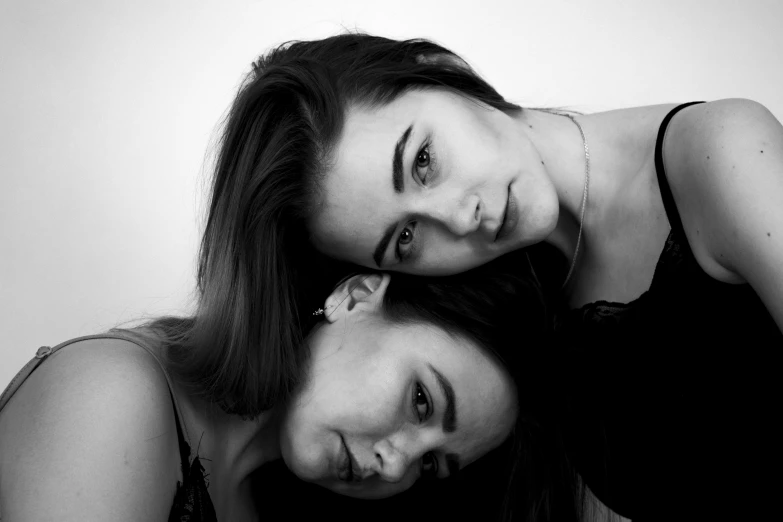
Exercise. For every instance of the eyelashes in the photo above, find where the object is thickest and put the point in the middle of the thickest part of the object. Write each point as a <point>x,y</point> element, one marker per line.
<point>407,236</point>
<point>424,164</point>
<point>420,399</point>
<point>423,407</point>
<point>423,171</point>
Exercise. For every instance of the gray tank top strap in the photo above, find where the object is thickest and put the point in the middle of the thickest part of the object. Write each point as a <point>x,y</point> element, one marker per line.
<point>45,351</point>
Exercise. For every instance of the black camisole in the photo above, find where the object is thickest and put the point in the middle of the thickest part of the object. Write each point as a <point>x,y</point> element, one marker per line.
<point>674,397</point>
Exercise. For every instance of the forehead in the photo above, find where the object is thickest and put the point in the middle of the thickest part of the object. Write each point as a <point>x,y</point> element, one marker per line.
<point>357,194</point>
<point>358,201</point>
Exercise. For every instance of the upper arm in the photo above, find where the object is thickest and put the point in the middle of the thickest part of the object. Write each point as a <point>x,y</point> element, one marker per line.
<point>90,436</point>
<point>728,166</point>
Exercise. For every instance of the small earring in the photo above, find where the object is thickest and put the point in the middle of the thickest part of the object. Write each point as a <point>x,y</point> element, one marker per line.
<point>320,311</point>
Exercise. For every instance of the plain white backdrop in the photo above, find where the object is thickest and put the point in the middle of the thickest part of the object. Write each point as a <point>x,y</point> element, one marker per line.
<point>108,110</point>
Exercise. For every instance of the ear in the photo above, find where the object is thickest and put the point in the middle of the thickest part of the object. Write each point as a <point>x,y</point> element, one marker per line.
<point>360,292</point>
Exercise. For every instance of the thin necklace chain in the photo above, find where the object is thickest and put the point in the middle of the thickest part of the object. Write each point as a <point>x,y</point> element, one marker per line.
<point>584,197</point>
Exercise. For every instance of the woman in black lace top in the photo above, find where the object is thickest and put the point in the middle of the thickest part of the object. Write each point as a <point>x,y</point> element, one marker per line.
<point>668,220</point>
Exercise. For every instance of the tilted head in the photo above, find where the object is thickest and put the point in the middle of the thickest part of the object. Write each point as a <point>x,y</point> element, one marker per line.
<point>410,378</point>
<point>433,183</point>
<point>270,201</point>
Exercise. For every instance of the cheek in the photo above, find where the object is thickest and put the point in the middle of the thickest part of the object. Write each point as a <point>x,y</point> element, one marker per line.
<point>485,142</point>
<point>306,431</point>
<point>346,393</point>
<point>299,446</point>
<point>540,205</point>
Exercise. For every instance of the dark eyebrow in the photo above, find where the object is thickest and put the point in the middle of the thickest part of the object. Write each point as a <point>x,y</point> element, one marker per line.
<point>450,414</point>
<point>399,152</point>
<point>382,244</point>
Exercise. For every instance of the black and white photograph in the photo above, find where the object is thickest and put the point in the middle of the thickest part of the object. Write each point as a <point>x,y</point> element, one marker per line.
<point>499,260</point>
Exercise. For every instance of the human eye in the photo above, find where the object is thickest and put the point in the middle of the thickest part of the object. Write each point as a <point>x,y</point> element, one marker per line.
<point>423,409</point>
<point>429,466</point>
<point>424,164</point>
<point>405,241</point>
<point>421,403</point>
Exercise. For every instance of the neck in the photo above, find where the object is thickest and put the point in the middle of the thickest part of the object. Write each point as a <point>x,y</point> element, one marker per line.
<point>232,448</point>
<point>559,143</point>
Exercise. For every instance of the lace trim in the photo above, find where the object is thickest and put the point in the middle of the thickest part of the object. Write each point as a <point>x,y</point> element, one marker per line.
<point>191,501</point>
<point>673,255</point>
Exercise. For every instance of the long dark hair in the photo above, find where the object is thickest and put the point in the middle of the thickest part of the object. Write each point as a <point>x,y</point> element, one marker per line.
<point>258,276</point>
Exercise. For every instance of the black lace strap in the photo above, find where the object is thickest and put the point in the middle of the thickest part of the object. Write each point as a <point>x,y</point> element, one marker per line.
<point>666,193</point>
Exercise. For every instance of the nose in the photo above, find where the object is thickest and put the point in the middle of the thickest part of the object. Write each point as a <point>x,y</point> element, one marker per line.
<point>391,463</point>
<point>460,215</point>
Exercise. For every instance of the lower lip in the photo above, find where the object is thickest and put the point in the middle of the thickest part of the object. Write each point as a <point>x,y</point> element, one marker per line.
<point>510,219</point>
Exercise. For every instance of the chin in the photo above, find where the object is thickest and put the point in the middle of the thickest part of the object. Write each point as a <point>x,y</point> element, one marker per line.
<point>363,493</point>
<point>302,465</point>
<point>541,227</point>
<point>304,472</point>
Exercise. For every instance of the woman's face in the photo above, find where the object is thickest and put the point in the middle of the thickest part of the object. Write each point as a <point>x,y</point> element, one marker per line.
<point>432,183</point>
<point>384,405</point>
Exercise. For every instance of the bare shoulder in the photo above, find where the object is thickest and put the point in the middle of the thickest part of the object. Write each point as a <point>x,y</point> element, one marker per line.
<point>715,124</point>
<point>720,157</point>
<point>91,435</point>
<point>730,110</point>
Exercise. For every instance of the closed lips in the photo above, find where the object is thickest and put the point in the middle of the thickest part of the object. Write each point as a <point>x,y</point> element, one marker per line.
<point>349,466</point>
<point>510,217</point>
